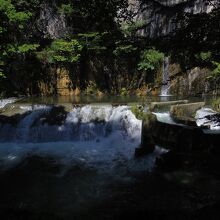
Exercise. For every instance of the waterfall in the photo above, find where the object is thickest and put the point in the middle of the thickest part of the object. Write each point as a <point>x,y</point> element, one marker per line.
<point>166,80</point>
<point>98,136</point>
<point>87,123</point>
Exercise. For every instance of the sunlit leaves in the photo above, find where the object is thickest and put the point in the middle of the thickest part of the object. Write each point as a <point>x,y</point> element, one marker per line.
<point>216,71</point>
<point>61,51</point>
<point>150,60</point>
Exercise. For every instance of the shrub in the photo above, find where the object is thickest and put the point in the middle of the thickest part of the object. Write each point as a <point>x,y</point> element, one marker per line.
<point>216,71</point>
<point>66,9</point>
<point>138,111</point>
<point>62,51</point>
<point>150,60</point>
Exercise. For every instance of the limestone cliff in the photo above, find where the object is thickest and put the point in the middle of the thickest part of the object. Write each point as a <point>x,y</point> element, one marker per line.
<point>50,23</point>
<point>160,16</point>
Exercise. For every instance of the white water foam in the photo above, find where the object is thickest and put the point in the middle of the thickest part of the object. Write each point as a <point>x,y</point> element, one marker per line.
<point>98,137</point>
<point>201,119</point>
<point>4,102</point>
<point>164,117</point>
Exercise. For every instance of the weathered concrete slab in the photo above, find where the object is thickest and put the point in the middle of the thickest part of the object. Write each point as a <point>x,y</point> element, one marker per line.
<point>158,105</point>
<point>178,138</point>
<point>185,110</point>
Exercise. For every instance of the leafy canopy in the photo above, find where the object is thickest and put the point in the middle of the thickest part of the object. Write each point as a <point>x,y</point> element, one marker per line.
<point>150,60</point>
<point>62,51</point>
<point>216,71</point>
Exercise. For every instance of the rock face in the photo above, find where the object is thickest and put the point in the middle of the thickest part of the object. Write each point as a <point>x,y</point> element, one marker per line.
<point>159,15</point>
<point>193,82</point>
<point>50,23</point>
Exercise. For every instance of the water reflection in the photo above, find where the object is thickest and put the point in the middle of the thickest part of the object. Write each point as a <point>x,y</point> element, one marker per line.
<point>109,99</point>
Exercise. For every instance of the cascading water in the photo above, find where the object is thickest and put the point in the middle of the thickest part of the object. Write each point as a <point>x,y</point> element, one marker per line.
<point>166,80</point>
<point>98,136</point>
<point>4,102</point>
<point>208,118</point>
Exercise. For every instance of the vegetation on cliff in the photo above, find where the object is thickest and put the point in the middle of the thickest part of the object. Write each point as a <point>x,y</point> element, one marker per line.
<point>97,32</point>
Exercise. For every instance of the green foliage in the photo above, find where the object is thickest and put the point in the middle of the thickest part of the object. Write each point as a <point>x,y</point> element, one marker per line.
<point>130,28</point>
<point>138,111</point>
<point>216,104</point>
<point>123,49</point>
<point>26,48</point>
<point>62,51</point>
<point>93,40</point>
<point>124,92</point>
<point>8,9</point>
<point>91,88</point>
<point>216,71</point>
<point>2,75</point>
<point>66,9</point>
<point>150,60</point>
<point>99,15</point>
<point>14,18</point>
<point>198,34</point>
<point>13,49</point>
<point>204,57</point>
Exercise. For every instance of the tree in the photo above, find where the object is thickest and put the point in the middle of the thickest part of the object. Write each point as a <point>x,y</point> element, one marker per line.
<point>12,32</point>
<point>150,61</point>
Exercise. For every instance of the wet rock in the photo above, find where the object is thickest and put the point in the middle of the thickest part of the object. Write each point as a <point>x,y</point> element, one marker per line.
<point>38,165</point>
<point>144,150</point>
<point>56,116</point>
<point>11,120</point>
<point>147,144</point>
<point>185,121</point>
<point>172,161</point>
